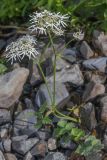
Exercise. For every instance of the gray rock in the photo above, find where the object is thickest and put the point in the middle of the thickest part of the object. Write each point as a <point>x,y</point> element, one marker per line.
<point>25,120</point>
<point>70,54</point>
<point>97,78</point>
<point>96,156</point>
<point>7,145</point>
<point>96,64</point>
<point>61,96</point>
<point>103,104</point>
<point>100,42</point>
<point>2,156</point>
<point>87,114</point>
<point>97,38</point>
<point>67,144</point>
<point>43,134</point>
<point>72,74</point>
<point>3,133</point>
<point>55,156</point>
<point>35,75</point>
<point>11,86</point>
<point>85,50</point>
<point>10,156</point>
<point>22,146</point>
<point>28,156</point>
<point>40,149</point>
<point>92,90</point>
<point>61,64</point>
<point>28,103</point>
<point>52,144</point>
<point>2,44</point>
<point>5,116</point>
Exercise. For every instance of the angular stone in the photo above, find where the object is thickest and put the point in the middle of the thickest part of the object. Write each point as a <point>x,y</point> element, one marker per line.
<point>87,114</point>
<point>67,144</point>
<point>55,156</point>
<point>97,78</point>
<point>22,146</point>
<point>40,149</point>
<point>9,156</point>
<point>2,44</point>
<point>11,86</point>
<point>85,50</point>
<point>99,64</point>
<point>96,156</point>
<point>25,120</point>
<point>52,144</point>
<point>2,156</point>
<point>61,96</point>
<point>70,54</point>
<point>73,75</point>
<point>7,145</point>
<point>5,116</point>
<point>28,156</point>
<point>92,90</point>
<point>103,104</point>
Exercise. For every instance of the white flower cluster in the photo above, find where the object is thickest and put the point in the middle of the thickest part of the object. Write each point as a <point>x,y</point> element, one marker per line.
<point>24,46</point>
<point>78,35</point>
<point>46,21</point>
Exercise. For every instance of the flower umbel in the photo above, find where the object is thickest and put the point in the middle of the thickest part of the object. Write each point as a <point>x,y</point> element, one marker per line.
<point>24,46</point>
<point>46,21</point>
<point>78,35</point>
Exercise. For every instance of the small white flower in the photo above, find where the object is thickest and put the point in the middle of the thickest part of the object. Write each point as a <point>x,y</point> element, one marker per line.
<point>24,46</point>
<point>46,21</point>
<point>78,35</point>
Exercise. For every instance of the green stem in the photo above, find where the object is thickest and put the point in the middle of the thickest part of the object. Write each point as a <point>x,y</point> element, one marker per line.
<point>45,80</point>
<point>65,117</point>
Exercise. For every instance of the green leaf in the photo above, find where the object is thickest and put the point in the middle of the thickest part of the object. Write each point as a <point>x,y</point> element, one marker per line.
<point>3,68</point>
<point>46,120</point>
<point>62,123</point>
<point>69,126</point>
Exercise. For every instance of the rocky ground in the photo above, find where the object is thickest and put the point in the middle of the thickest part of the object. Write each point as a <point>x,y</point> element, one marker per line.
<point>81,78</point>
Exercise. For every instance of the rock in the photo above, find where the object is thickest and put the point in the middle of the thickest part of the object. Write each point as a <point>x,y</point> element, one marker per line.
<point>100,42</point>
<point>28,156</point>
<point>55,156</point>
<point>96,156</point>
<point>70,54</point>
<point>103,104</point>
<point>85,50</point>
<point>87,114</point>
<point>25,120</point>
<point>99,64</point>
<point>9,156</point>
<point>43,134</point>
<point>2,156</point>
<point>22,146</point>
<point>7,145</point>
<point>2,44</point>
<point>97,78</point>
<point>97,38</point>
<point>105,142</point>
<point>42,96</point>
<point>28,103</point>
<point>40,149</point>
<point>92,90</point>
<point>47,67</point>
<point>35,75</point>
<point>52,144</point>
<point>72,74</point>
<point>5,116</point>
<point>4,133</point>
<point>67,144</point>
<point>11,86</point>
